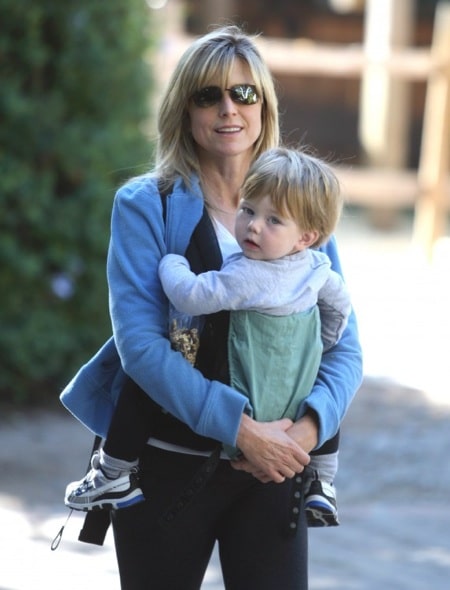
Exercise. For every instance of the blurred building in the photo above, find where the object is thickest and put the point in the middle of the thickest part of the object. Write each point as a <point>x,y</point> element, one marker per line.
<point>322,111</point>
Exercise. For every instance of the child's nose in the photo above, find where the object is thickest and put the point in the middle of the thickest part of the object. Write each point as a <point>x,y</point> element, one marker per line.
<point>253,225</point>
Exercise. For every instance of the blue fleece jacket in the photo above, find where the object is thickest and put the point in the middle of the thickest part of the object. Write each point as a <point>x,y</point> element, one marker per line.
<point>140,347</point>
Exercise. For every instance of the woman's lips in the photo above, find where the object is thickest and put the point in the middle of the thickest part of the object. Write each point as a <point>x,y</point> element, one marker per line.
<point>230,129</point>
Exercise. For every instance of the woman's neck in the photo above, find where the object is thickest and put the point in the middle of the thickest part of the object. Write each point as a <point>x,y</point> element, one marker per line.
<point>221,181</point>
<point>222,210</point>
<point>221,194</point>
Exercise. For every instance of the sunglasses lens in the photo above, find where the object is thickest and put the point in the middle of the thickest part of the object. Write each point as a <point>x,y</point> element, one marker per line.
<point>207,97</point>
<point>244,94</point>
<point>211,95</point>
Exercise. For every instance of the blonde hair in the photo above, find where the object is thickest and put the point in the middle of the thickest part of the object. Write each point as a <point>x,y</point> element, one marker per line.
<point>209,58</point>
<point>300,186</point>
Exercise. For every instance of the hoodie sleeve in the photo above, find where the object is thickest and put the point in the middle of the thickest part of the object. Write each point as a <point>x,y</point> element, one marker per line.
<point>209,292</point>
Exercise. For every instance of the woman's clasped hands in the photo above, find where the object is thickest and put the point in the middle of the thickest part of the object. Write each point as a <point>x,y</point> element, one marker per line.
<point>270,453</point>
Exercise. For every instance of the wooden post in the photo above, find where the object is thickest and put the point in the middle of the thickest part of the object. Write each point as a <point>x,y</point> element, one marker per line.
<point>432,204</point>
<point>385,99</point>
<point>384,105</point>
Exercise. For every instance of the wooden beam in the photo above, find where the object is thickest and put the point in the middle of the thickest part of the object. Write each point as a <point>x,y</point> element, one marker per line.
<point>389,189</point>
<point>307,58</point>
<point>432,204</point>
<point>302,57</point>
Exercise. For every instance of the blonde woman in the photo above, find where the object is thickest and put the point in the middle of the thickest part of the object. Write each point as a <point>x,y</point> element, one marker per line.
<point>219,113</point>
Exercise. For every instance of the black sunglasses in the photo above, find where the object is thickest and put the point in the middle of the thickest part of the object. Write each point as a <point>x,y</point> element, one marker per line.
<point>239,93</point>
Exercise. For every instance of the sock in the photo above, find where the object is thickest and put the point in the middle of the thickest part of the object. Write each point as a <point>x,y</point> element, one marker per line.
<point>326,466</point>
<point>113,467</point>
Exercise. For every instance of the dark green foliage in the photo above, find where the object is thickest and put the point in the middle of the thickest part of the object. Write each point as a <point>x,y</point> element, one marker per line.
<point>74,95</point>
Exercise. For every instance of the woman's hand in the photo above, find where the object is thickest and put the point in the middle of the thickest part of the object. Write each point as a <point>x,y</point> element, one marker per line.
<point>270,452</point>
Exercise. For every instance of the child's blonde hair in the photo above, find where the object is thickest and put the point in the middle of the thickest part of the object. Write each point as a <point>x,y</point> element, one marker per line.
<point>300,186</point>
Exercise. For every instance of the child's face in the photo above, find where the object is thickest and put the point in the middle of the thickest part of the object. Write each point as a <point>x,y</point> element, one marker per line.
<point>263,234</point>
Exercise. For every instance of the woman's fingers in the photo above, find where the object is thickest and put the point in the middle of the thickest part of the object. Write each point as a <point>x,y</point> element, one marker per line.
<point>270,454</point>
<point>243,464</point>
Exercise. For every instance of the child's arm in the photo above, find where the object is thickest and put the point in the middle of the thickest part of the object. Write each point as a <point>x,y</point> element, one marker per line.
<point>335,308</point>
<point>202,294</point>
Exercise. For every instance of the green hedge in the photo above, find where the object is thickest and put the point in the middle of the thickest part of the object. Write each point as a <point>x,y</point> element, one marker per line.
<point>74,95</point>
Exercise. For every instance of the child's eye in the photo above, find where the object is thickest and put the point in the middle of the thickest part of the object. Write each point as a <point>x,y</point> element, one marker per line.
<point>274,220</point>
<point>246,210</point>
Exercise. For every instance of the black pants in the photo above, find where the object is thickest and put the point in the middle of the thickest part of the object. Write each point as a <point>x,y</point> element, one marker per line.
<point>260,529</point>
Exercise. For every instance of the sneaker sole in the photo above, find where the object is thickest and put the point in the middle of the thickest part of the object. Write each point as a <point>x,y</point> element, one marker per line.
<point>108,501</point>
<point>320,516</point>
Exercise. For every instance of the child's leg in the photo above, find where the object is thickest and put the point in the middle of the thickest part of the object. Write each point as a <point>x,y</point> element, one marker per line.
<point>320,495</point>
<point>129,430</point>
<point>325,466</point>
<point>331,446</point>
<point>111,482</point>
<point>325,460</point>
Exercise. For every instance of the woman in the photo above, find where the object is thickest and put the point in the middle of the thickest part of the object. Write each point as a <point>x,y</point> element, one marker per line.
<point>219,113</point>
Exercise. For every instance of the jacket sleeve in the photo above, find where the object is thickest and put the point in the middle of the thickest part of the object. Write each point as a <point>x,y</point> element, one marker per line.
<point>139,313</point>
<point>340,372</point>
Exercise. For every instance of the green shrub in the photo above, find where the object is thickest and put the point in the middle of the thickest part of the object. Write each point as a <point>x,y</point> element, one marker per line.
<point>74,96</point>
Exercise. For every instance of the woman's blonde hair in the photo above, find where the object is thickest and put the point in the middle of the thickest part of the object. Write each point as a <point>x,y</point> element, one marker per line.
<point>300,186</point>
<point>209,58</point>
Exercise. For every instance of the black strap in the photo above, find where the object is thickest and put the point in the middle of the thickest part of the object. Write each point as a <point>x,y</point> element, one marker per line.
<point>204,254</point>
<point>95,527</point>
<point>96,523</point>
<point>198,482</point>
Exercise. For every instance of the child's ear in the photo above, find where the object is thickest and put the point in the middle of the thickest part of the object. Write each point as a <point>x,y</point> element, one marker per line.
<point>307,239</point>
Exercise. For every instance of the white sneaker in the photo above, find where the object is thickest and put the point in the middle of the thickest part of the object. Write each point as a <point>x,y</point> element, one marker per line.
<point>320,504</point>
<point>96,490</point>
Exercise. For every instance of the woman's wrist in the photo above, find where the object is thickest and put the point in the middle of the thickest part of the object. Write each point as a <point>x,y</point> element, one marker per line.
<point>244,431</point>
<point>313,416</point>
<point>305,431</point>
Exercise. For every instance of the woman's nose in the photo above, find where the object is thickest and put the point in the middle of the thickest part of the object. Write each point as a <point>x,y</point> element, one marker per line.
<point>226,104</point>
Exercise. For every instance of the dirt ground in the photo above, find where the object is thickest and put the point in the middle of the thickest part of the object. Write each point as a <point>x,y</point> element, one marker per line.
<point>394,478</point>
